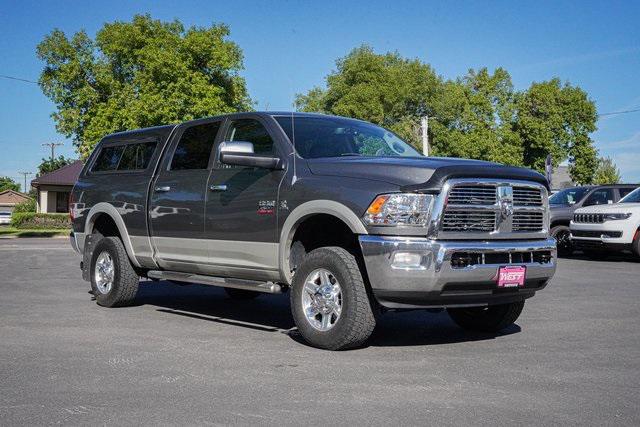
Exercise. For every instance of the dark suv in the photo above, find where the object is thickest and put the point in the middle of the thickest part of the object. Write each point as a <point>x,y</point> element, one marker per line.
<point>343,214</point>
<point>565,202</point>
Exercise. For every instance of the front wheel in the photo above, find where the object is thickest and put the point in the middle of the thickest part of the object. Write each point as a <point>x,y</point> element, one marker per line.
<point>493,318</point>
<point>329,301</point>
<point>562,234</point>
<point>114,282</point>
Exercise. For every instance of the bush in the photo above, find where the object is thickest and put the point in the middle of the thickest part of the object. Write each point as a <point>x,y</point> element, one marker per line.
<point>28,206</point>
<point>40,221</point>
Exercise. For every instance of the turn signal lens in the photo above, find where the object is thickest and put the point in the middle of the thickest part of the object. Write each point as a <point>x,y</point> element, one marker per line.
<point>411,209</point>
<point>376,206</point>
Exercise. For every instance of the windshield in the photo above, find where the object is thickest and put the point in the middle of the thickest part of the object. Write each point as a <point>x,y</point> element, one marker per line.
<point>568,196</point>
<point>633,197</point>
<point>317,137</point>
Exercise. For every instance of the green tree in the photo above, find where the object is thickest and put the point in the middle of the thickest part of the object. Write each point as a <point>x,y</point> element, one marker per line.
<point>475,118</point>
<point>558,118</point>
<point>50,165</point>
<point>140,73</point>
<point>384,89</point>
<point>7,183</point>
<point>479,115</point>
<point>606,172</point>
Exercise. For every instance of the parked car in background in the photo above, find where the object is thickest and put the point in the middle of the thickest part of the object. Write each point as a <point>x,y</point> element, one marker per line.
<point>596,230</point>
<point>564,203</point>
<point>5,218</point>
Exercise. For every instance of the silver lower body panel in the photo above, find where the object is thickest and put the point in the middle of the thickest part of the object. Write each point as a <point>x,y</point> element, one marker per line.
<point>435,282</point>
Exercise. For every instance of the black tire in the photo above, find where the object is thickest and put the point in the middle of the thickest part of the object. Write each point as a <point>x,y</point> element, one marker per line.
<point>125,280</point>
<point>241,294</point>
<point>493,318</point>
<point>562,235</point>
<point>635,245</point>
<point>356,321</point>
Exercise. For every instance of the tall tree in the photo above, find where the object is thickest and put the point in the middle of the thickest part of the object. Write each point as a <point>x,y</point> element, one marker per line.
<point>50,165</point>
<point>140,73</point>
<point>7,183</point>
<point>384,89</point>
<point>557,118</point>
<point>477,116</point>
<point>607,172</point>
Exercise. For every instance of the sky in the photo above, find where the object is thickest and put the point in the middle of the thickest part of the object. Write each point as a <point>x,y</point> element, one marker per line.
<point>290,46</point>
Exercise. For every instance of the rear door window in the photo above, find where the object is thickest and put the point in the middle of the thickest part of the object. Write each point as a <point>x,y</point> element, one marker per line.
<point>602,196</point>
<point>108,159</point>
<point>194,148</point>
<point>136,156</point>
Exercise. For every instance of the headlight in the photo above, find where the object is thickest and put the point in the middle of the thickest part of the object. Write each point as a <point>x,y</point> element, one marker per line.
<point>399,209</point>
<point>614,216</point>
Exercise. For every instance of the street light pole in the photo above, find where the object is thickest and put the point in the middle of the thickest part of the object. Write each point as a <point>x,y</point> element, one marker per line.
<point>53,146</point>
<point>424,126</point>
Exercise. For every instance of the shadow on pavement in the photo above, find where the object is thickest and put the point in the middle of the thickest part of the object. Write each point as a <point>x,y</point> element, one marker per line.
<point>271,313</point>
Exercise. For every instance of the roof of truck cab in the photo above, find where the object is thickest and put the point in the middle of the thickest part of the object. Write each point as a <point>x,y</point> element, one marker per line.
<point>141,133</point>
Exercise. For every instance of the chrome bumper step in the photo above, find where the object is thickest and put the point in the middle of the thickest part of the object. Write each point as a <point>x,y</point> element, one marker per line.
<point>248,285</point>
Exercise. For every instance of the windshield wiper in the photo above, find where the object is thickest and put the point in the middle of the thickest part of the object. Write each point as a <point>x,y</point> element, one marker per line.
<point>350,154</point>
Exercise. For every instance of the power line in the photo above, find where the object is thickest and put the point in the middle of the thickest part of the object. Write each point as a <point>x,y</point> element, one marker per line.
<point>619,112</point>
<point>53,146</point>
<point>18,79</point>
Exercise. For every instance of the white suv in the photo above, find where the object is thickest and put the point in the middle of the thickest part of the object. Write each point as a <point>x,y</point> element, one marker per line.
<point>599,228</point>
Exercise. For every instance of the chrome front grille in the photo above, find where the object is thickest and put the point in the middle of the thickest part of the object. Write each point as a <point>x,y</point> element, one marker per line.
<point>465,221</point>
<point>589,218</point>
<point>473,208</point>
<point>472,195</point>
<point>527,221</point>
<point>526,196</point>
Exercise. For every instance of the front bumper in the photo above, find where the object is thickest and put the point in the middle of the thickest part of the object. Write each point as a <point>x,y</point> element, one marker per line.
<point>435,282</point>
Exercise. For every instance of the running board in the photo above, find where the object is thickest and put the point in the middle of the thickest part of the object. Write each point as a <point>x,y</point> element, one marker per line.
<point>248,285</point>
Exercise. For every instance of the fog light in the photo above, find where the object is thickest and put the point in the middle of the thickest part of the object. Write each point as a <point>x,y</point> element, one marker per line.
<point>407,260</point>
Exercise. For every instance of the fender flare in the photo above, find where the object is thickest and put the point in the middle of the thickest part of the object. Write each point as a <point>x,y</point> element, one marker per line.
<point>307,209</point>
<point>108,209</point>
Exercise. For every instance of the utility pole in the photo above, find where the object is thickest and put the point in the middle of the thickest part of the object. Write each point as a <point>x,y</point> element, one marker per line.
<point>25,174</point>
<point>424,126</point>
<point>53,146</point>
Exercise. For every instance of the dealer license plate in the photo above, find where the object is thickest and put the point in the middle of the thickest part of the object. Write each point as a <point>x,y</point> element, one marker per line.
<point>511,276</point>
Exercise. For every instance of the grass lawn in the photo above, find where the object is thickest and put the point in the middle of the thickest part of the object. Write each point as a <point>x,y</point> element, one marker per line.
<point>11,231</point>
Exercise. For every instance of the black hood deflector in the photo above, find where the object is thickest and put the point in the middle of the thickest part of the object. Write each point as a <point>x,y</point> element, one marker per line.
<point>443,173</point>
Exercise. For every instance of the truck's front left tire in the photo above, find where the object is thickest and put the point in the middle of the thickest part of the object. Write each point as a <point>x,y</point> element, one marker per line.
<point>113,280</point>
<point>329,300</point>
<point>493,318</point>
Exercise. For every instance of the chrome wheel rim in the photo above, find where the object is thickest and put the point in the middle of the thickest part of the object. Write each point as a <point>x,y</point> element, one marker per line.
<point>104,272</point>
<point>322,299</point>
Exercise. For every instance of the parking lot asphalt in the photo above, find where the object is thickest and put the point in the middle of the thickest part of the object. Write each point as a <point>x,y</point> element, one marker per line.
<point>189,355</point>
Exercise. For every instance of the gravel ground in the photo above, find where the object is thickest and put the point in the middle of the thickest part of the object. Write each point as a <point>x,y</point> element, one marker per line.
<point>189,355</point>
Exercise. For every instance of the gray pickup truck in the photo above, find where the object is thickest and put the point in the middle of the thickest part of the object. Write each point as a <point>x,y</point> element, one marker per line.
<point>343,214</point>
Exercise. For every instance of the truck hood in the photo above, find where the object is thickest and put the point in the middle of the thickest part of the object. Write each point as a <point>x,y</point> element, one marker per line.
<point>418,173</point>
<point>614,207</point>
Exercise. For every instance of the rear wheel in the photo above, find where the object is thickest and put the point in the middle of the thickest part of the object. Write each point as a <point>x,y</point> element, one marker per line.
<point>493,318</point>
<point>329,301</point>
<point>113,280</point>
<point>562,234</point>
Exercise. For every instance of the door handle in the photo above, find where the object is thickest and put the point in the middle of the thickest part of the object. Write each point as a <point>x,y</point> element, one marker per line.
<point>221,187</point>
<point>162,189</point>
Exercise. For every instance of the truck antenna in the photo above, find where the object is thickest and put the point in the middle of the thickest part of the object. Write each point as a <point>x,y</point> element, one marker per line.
<point>293,141</point>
